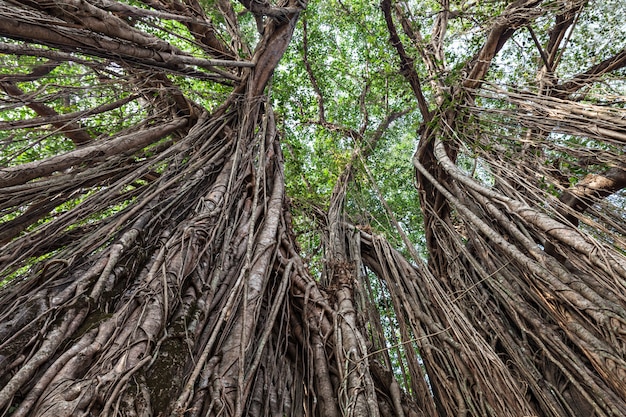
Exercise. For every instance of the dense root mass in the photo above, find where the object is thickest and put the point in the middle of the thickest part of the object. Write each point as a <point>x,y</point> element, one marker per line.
<point>149,258</point>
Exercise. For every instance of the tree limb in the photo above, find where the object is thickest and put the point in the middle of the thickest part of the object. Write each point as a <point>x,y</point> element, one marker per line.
<point>407,67</point>
<point>590,76</point>
<point>514,16</point>
<point>23,173</point>
<point>70,129</point>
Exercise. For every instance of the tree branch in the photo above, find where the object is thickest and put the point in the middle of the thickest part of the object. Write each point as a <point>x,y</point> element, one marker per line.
<point>432,54</point>
<point>102,46</point>
<point>406,62</point>
<point>564,21</point>
<point>514,16</point>
<point>321,114</point>
<point>590,76</point>
<point>23,173</point>
<point>60,120</point>
<point>200,26</point>
<point>591,188</point>
<point>70,129</point>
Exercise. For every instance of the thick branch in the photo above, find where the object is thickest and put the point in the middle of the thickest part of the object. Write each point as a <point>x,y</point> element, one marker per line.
<point>579,81</point>
<point>94,44</point>
<point>407,67</point>
<point>516,15</point>
<point>120,145</point>
<point>594,186</point>
<point>100,21</point>
<point>260,7</point>
<point>271,49</point>
<point>563,22</point>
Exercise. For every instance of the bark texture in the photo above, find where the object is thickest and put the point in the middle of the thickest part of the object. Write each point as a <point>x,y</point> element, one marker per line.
<point>151,268</point>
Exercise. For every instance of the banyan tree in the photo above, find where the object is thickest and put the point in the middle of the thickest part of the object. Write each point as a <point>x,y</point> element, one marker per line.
<point>255,207</point>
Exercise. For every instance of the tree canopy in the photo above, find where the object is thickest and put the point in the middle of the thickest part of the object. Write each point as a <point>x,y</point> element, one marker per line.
<point>405,208</point>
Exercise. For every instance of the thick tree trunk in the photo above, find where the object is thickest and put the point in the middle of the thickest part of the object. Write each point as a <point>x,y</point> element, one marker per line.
<point>177,304</point>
